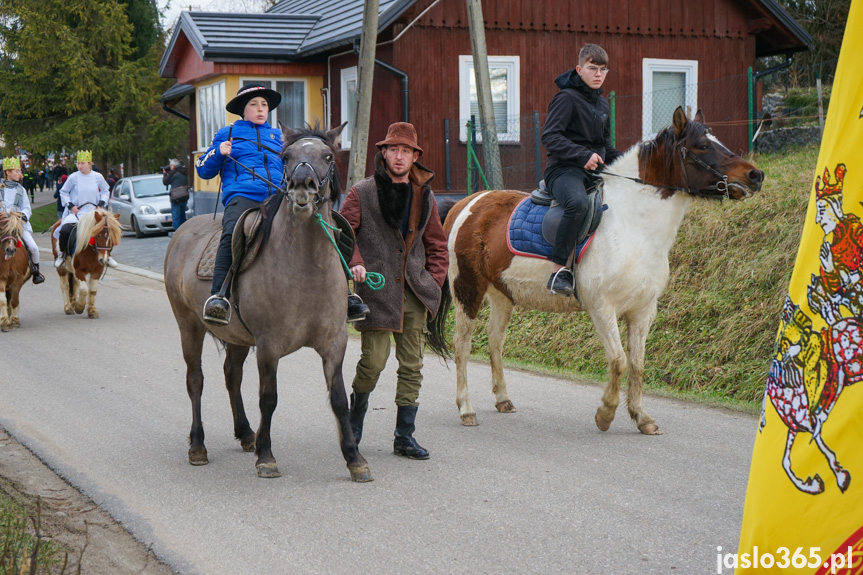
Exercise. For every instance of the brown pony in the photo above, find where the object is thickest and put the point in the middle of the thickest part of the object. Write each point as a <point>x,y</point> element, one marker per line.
<point>14,268</point>
<point>96,235</point>
<point>623,273</point>
<point>292,295</point>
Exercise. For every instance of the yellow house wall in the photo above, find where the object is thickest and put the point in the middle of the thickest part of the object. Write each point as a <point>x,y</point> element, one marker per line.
<point>314,111</point>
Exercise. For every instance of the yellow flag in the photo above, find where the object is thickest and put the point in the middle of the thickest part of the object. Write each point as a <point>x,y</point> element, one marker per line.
<point>804,502</point>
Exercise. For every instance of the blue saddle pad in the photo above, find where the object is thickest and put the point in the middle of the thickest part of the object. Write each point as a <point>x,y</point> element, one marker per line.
<point>524,233</point>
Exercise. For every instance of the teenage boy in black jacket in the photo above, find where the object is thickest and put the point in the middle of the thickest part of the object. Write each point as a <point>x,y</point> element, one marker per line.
<point>577,136</point>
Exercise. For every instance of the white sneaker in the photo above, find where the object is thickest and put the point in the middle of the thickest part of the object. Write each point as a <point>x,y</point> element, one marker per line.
<point>111,262</point>
<point>58,263</point>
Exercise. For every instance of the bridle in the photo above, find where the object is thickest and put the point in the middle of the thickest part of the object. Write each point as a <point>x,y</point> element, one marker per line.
<point>320,183</point>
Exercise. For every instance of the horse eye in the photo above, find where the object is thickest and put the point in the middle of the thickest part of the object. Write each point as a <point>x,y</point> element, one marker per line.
<point>329,157</point>
<point>704,147</point>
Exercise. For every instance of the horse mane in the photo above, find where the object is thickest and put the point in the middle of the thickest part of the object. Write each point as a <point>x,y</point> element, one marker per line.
<point>291,138</point>
<point>88,228</point>
<point>664,143</point>
<point>13,224</point>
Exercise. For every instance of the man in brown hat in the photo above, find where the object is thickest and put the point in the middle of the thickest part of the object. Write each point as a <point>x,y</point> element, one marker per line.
<point>399,234</point>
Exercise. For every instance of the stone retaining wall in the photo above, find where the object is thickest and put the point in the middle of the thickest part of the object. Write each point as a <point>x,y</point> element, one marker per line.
<point>780,138</point>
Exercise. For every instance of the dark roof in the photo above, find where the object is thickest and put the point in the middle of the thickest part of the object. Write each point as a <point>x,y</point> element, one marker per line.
<point>786,38</point>
<point>176,92</point>
<point>228,36</point>
<point>340,21</point>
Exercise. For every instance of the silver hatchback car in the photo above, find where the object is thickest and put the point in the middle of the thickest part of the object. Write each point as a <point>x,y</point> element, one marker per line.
<point>144,205</point>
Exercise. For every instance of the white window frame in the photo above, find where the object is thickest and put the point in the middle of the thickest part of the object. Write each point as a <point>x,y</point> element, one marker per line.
<point>651,65</point>
<point>271,84</point>
<point>347,74</point>
<point>513,90</point>
<point>203,116</point>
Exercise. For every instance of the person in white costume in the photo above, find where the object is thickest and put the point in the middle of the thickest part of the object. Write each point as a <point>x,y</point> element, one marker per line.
<point>14,198</point>
<point>83,192</point>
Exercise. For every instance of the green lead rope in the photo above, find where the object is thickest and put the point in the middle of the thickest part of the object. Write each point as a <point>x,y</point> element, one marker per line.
<point>374,281</point>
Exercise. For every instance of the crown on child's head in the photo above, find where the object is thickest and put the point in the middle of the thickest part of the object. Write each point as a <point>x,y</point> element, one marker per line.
<point>11,163</point>
<point>85,156</point>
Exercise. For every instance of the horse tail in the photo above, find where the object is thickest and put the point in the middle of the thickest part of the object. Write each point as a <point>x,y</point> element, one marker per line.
<point>437,327</point>
<point>444,205</point>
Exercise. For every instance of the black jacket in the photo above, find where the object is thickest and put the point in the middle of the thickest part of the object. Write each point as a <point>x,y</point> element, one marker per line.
<point>578,124</point>
<point>176,177</point>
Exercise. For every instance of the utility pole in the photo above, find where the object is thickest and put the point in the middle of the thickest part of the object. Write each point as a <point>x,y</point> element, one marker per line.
<point>365,76</point>
<point>490,149</point>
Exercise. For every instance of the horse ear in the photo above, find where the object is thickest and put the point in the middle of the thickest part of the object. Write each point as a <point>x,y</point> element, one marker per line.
<point>699,117</point>
<point>679,121</point>
<point>336,134</point>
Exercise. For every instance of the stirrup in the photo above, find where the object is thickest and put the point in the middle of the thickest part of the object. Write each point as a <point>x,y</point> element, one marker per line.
<point>217,315</point>
<point>360,309</point>
<point>568,292</point>
<point>60,260</point>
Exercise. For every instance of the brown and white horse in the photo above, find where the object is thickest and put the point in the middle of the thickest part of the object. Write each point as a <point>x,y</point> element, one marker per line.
<point>96,235</point>
<point>622,274</point>
<point>14,268</point>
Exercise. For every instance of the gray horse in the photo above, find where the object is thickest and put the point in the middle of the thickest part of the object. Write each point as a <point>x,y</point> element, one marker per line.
<point>292,295</point>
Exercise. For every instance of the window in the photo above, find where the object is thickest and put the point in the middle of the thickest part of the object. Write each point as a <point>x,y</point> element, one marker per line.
<point>348,99</point>
<point>211,112</point>
<point>292,110</point>
<point>504,73</point>
<point>667,85</point>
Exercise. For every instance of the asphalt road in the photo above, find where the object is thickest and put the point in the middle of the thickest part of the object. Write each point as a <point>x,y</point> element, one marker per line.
<point>103,402</point>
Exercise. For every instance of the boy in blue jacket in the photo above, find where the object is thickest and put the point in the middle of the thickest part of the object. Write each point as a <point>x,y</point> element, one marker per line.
<point>253,143</point>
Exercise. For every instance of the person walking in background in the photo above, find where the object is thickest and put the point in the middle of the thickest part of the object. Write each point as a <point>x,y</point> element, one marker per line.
<point>60,170</point>
<point>177,179</point>
<point>60,208</point>
<point>111,179</point>
<point>399,233</point>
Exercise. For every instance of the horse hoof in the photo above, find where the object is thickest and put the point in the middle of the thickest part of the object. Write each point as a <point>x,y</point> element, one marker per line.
<point>268,470</point>
<point>248,443</point>
<point>360,474</point>
<point>505,406</point>
<point>469,420</point>
<point>93,315</point>
<point>649,429</point>
<point>69,311</point>
<point>4,328</point>
<point>198,457</point>
<point>602,423</point>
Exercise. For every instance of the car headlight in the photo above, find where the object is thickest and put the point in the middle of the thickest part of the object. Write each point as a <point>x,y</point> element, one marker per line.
<point>146,210</point>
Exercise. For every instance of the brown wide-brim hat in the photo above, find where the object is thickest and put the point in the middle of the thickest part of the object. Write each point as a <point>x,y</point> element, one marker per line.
<point>401,133</point>
<point>249,91</point>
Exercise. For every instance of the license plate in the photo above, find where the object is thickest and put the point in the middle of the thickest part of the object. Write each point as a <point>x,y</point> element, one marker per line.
<point>166,218</point>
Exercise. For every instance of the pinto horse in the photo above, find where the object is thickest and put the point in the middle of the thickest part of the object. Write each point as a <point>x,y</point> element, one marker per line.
<point>14,268</point>
<point>622,274</point>
<point>96,235</point>
<point>292,295</point>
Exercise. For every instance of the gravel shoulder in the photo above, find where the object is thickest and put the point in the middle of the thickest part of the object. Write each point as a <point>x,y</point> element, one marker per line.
<point>94,540</point>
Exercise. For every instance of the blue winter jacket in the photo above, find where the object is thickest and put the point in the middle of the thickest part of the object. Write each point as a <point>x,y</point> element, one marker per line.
<point>263,159</point>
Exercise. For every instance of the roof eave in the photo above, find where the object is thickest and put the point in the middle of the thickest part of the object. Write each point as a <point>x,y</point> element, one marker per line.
<point>792,26</point>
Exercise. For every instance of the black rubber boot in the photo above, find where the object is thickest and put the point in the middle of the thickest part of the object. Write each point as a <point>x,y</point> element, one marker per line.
<point>357,310</point>
<point>37,275</point>
<point>359,405</point>
<point>561,282</point>
<point>404,444</point>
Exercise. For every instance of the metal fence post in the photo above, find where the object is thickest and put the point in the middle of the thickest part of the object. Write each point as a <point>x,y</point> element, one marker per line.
<point>751,108</point>
<point>536,146</point>
<point>468,165</point>
<point>446,152</point>
<point>473,148</point>
<point>611,103</point>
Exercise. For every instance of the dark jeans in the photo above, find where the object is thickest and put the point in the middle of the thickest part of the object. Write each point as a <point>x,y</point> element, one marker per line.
<point>233,211</point>
<point>178,213</point>
<point>567,185</point>
<point>63,240</point>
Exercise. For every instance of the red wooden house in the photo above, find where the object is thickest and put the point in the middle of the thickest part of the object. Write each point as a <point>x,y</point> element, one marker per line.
<point>663,53</point>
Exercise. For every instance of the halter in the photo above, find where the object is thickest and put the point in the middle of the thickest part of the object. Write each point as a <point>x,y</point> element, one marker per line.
<point>320,183</point>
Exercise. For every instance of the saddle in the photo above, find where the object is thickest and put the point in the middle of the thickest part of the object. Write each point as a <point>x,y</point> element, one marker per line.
<point>534,222</point>
<point>247,239</point>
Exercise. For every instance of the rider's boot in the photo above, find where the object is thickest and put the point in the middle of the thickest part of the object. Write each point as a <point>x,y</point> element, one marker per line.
<point>357,310</point>
<point>217,310</point>
<point>61,258</point>
<point>561,282</point>
<point>37,275</point>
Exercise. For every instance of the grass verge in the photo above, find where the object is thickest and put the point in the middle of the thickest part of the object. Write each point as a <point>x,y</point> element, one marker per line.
<point>23,550</point>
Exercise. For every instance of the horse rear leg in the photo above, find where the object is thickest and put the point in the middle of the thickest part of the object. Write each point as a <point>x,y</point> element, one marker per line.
<point>235,357</point>
<point>638,326</point>
<point>67,288</point>
<point>332,362</point>
<point>605,321</point>
<point>501,314</point>
<point>5,324</point>
<point>192,340</point>
<point>461,343</point>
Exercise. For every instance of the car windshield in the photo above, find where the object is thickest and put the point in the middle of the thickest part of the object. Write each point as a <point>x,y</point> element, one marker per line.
<point>149,187</point>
